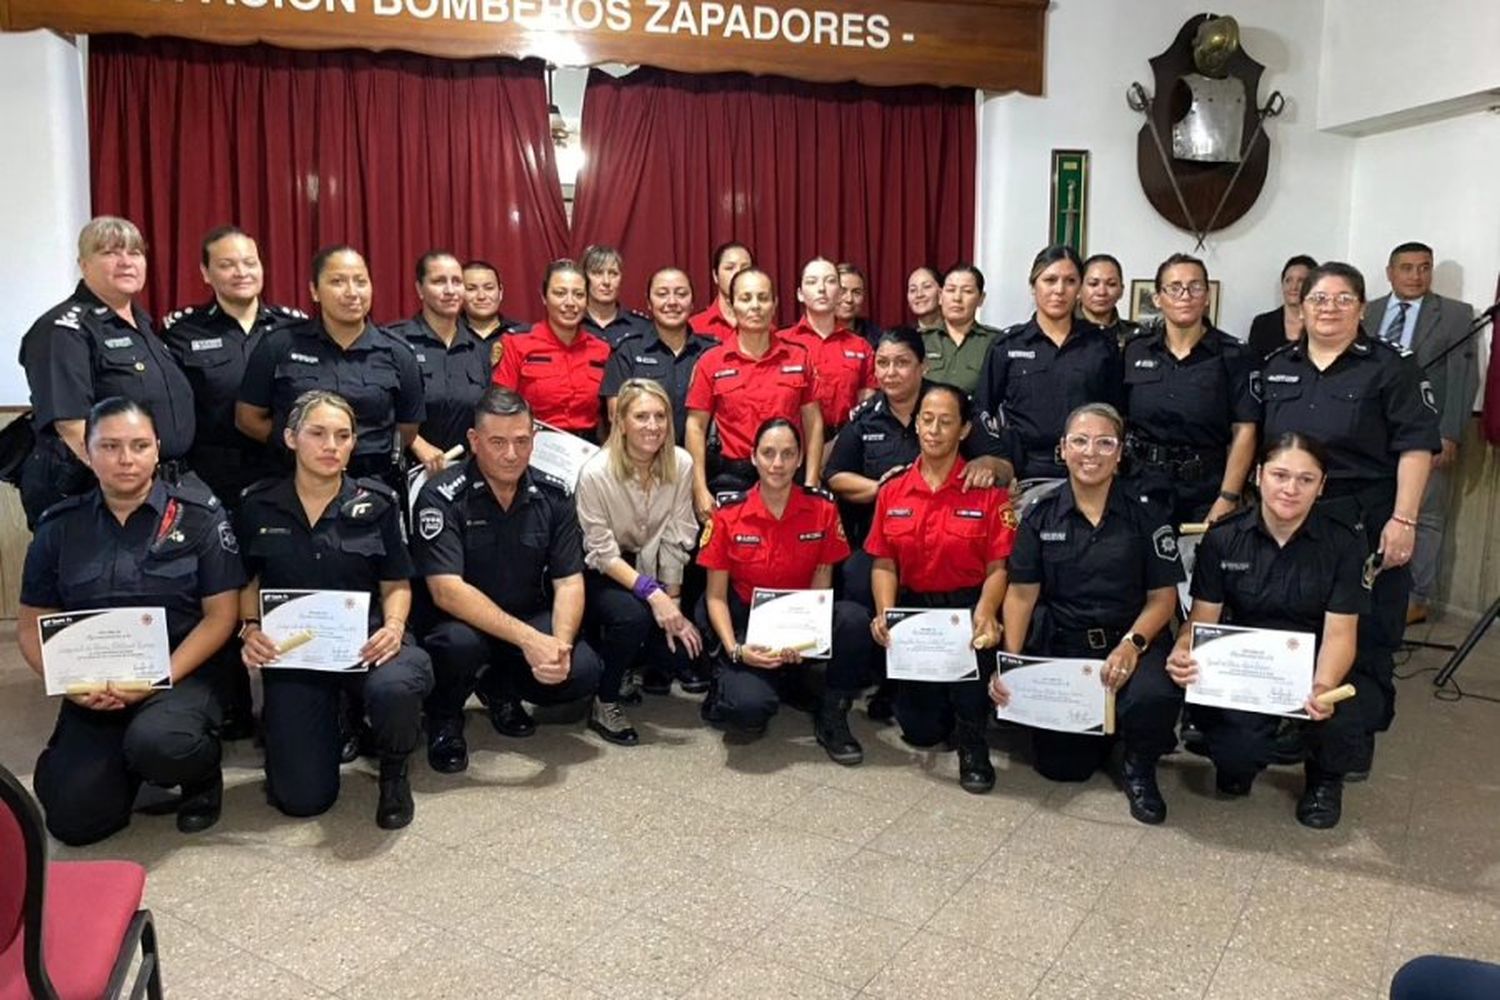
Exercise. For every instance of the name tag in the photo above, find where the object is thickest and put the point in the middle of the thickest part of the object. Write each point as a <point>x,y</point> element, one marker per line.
<point>793,369</point>
<point>856,355</point>
<point>421,359</point>
<point>726,373</point>
<point>1233,567</point>
<point>810,536</point>
<point>538,359</point>
<point>898,512</point>
<point>1027,355</point>
<point>211,344</point>
<point>973,515</point>
<point>1146,363</point>
<point>1053,536</point>
<point>1286,379</point>
<point>641,359</point>
<point>747,539</point>
<point>306,359</point>
<point>275,531</point>
<point>117,342</point>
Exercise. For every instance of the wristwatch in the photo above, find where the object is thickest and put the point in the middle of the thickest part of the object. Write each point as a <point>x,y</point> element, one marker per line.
<point>1137,640</point>
<point>245,624</point>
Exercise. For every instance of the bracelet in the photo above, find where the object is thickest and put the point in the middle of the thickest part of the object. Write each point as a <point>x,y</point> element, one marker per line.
<point>1231,497</point>
<point>1409,522</point>
<point>735,653</point>
<point>645,586</point>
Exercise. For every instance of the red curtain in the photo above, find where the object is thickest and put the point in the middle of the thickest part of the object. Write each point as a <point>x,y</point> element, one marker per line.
<point>393,153</point>
<point>680,163</point>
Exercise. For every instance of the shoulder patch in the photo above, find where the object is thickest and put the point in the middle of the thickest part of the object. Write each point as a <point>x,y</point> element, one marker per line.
<point>1164,541</point>
<point>430,523</point>
<point>368,503</point>
<point>227,541</point>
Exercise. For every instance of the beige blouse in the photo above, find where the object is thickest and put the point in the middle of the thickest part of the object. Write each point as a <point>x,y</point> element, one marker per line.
<point>618,516</point>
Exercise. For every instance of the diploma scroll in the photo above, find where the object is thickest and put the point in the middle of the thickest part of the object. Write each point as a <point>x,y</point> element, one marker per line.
<point>930,644</point>
<point>1063,695</point>
<point>316,629</point>
<point>1252,669</point>
<point>792,619</point>
<point>85,651</point>
<point>560,454</point>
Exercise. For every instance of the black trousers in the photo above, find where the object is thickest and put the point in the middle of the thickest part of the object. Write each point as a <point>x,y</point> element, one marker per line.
<point>1146,711</point>
<point>626,632</point>
<point>928,711</point>
<point>51,473</point>
<point>301,723</point>
<point>1188,499</point>
<point>88,776</point>
<point>746,697</point>
<point>1242,743</point>
<point>460,654</point>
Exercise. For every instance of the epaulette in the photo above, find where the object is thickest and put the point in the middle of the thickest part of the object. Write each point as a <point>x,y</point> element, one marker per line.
<point>1289,345</point>
<point>287,312</point>
<point>871,405</point>
<point>818,491</point>
<point>892,474</point>
<point>171,318</point>
<point>1234,518</point>
<point>61,507</point>
<point>449,483</point>
<point>729,498</point>
<point>377,486</point>
<point>1404,352</point>
<point>1136,333</point>
<point>260,486</point>
<point>540,478</point>
<point>195,491</point>
<point>1011,331</point>
<point>69,318</point>
<point>638,314</point>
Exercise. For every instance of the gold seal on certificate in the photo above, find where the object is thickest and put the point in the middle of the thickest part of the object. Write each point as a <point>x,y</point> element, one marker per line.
<point>1064,695</point>
<point>1252,669</point>
<point>82,651</point>
<point>559,454</point>
<point>792,619</point>
<point>930,644</point>
<point>316,629</point>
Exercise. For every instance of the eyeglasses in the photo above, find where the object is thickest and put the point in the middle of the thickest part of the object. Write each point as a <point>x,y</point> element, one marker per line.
<point>1343,300</point>
<point>1177,290</point>
<point>1082,442</point>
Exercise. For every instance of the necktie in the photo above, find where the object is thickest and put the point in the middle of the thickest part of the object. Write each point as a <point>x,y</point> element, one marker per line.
<point>1393,333</point>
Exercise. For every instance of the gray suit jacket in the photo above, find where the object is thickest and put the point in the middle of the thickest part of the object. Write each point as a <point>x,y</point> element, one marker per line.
<point>1455,380</point>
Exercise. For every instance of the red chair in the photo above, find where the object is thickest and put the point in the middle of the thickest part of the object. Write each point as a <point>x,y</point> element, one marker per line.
<point>69,929</point>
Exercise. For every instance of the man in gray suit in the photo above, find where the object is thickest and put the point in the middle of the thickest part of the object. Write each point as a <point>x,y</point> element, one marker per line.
<point>1415,319</point>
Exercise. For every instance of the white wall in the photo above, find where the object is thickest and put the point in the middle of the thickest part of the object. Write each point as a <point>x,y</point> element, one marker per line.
<point>1393,57</point>
<point>45,199</point>
<point>1095,49</point>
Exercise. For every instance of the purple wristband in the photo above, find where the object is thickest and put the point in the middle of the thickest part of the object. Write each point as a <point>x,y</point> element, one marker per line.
<point>645,586</point>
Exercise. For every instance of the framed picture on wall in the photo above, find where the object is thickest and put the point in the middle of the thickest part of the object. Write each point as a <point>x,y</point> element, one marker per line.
<point>1143,308</point>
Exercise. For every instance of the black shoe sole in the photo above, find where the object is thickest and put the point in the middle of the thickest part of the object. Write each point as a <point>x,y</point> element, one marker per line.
<point>1140,815</point>
<point>694,686</point>
<point>848,758</point>
<point>977,786</point>
<point>455,766</point>
<point>394,821</point>
<point>197,822</point>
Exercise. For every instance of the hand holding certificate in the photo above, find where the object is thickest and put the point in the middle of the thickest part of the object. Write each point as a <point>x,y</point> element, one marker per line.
<point>1252,669</point>
<point>109,650</point>
<point>797,620</point>
<point>316,629</point>
<point>930,644</point>
<point>1063,695</point>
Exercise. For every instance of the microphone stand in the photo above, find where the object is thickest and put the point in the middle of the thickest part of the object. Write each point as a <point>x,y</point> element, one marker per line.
<point>1463,649</point>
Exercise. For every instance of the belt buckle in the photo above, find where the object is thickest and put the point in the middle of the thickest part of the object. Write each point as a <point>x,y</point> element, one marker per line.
<point>1097,639</point>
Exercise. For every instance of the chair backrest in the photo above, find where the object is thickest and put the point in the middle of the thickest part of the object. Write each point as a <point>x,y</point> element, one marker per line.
<point>23,873</point>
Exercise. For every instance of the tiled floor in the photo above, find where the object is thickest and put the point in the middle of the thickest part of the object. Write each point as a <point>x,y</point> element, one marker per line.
<point>562,867</point>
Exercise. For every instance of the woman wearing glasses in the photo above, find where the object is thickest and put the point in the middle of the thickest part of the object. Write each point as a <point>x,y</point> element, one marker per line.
<point>1375,412</point>
<point>1102,566</point>
<point>1190,399</point>
<point>1038,372</point>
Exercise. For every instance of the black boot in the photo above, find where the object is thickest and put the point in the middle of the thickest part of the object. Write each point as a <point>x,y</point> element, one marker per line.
<point>395,808</point>
<point>831,729</point>
<point>1146,803</point>
<point>1233,785</point>
<point>975,772</point>
<point>1322,801</point>
<point>201,804</point>
<point>880,706</point>
<point>447,750</point>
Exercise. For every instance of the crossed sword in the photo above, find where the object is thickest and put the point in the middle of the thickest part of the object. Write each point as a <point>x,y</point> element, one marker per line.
<point>1139,100</point>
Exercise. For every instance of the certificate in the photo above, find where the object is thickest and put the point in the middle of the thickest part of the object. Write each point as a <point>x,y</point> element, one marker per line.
<point>1252,669</point>
<point>1063,695</point>
<point>792,619</point>
<point>560,454</point>
<point>930,644</point>
<point>82,650</point>
<point>316,629</point>
<point>1187,551</point>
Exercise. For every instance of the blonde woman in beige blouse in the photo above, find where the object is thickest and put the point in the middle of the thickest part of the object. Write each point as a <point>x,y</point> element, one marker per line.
<point>635,505</point>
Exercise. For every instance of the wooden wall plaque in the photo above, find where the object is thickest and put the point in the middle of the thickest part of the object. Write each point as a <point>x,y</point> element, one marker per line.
<point>988,44</point>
